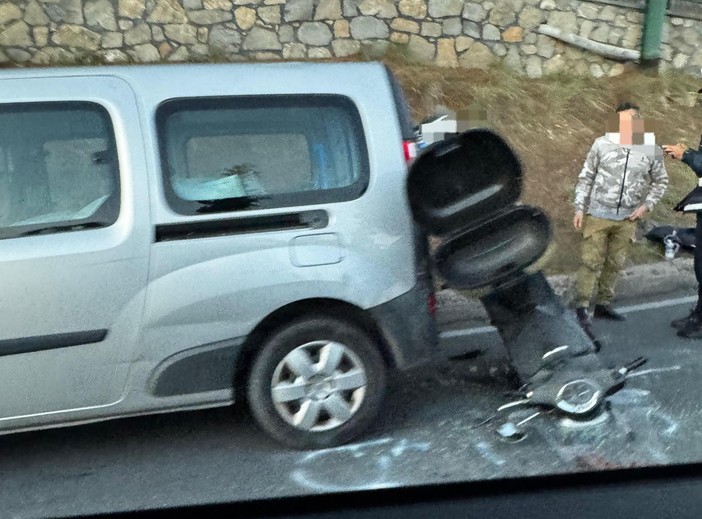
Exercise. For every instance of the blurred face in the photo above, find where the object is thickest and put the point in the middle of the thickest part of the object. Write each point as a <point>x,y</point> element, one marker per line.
<point>631,127</point>
<point>472,117</point>
<point>638,130</point>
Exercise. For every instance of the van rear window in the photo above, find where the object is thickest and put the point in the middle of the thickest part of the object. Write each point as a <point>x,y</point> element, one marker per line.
<point>58,168</point>
<point>243,153</point>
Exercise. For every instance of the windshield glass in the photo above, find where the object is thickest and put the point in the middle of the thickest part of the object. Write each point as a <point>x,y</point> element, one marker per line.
<point>300,247</point>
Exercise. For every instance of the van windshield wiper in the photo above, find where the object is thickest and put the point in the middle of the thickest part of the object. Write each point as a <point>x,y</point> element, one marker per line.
<point>61,228</point>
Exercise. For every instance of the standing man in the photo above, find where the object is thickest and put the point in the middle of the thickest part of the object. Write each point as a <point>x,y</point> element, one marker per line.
<point>609,198</point>
<point>691,326</point>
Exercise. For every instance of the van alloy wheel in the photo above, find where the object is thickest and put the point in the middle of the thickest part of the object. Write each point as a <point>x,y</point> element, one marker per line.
<point>319,385</point>
<point>317,381</point>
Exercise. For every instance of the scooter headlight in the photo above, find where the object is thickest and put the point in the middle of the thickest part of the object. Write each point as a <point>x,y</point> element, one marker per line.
<point>579,397</point>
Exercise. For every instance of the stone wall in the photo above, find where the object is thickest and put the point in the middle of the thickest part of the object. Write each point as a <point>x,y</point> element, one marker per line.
<point>449,32</point>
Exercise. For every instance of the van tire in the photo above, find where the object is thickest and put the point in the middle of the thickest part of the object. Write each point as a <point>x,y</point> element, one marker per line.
<point>274,360</point>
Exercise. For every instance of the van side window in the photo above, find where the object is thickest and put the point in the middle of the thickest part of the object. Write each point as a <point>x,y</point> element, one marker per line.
<point>257,152</point>
<point>58,168</point>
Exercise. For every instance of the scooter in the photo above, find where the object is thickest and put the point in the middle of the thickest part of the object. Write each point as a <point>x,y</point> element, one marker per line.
<point>464,189</point>
<point>552,355</point>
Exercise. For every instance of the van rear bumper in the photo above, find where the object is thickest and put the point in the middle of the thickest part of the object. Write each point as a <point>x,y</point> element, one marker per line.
<point>409,329</point>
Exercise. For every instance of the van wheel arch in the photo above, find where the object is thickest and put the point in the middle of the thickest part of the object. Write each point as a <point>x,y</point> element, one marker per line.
<point>321,307</point>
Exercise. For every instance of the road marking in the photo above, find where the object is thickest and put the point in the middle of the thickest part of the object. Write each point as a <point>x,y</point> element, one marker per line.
<point>353,447</point>
<point>379,474</point>
<point>657,304</point>
<point>673,425</point>
<point>480,330</point>
<point>652,370</point>
<point>630,395</point>
<point>486,452</point>
<point>468,331</point>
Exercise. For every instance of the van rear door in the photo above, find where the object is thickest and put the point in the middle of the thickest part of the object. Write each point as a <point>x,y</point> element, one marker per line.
<point>407,126</point>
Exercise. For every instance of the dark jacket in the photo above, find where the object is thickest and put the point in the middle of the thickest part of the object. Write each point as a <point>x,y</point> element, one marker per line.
<point>693,159</point>
<point>693,201</point>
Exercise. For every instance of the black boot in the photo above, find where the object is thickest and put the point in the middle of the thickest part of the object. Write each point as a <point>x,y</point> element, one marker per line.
<point>586,325</point>
<point>607,312</point>
<point>679,324</point>
<point>692,329</point>
<point>583,316</point>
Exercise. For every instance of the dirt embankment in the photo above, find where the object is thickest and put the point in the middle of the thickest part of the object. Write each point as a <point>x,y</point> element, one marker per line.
<point>552,122</point>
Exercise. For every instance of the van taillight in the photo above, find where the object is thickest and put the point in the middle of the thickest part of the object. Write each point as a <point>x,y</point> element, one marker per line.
<point>410,148</point>
<point>431,303</point>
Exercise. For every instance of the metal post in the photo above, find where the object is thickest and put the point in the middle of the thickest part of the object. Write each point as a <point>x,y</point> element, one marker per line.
<point>653,33</point>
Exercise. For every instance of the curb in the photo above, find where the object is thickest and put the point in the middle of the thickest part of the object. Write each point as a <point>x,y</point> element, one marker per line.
<point>654,279</point>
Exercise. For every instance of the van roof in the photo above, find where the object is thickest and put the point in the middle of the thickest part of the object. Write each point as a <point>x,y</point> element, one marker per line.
<point>145,71</point>
<point>167,79</point>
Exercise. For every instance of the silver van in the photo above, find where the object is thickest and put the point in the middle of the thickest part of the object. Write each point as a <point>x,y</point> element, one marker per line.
<point>178,237</point>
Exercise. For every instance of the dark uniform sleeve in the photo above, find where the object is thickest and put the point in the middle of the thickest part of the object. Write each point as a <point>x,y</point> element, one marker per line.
<point>693,159</point>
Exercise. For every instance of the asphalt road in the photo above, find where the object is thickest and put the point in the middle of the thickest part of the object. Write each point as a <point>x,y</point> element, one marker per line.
<point>430,433</point>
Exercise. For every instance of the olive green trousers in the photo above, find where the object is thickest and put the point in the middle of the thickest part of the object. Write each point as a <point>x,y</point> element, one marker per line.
<point>605,249</point>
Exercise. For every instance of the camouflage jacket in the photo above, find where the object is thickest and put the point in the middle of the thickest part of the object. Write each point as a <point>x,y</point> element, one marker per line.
<point>615,178</point>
